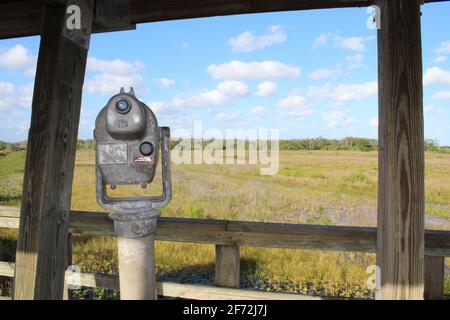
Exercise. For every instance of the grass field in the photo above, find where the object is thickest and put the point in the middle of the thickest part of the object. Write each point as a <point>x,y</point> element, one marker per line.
<point>316,187</point>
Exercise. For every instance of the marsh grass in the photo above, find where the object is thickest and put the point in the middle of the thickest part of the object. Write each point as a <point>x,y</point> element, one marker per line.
<point>315,187</point>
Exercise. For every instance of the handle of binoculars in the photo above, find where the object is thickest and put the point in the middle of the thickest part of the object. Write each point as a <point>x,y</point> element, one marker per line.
<point>165,198</point>
<point>133,204</point>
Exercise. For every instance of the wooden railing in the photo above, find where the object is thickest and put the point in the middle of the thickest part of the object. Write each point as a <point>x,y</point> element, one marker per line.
<point>228,236</point>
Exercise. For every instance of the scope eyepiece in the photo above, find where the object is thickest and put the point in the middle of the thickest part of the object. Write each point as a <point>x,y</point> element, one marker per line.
<point>123,106</point>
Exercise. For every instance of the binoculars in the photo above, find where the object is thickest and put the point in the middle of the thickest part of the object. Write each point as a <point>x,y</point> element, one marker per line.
<point>128,142</point>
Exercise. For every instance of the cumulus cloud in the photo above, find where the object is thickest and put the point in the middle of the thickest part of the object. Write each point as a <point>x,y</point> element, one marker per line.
<point>224,94</point>
<point>355,61</point>
<point>110,75</point>
<point>16,57</point>
<point>15,97</point>
<point>253,70</point>
<point>165,82</point>
<point>321,74</point>
<point>266,88</point>
<point>351,43</point>
<point>444,48</point>
<point>247,41</point>
<point>258,111</point>
<point>335,119</point>
<point>344,92</point>
<point>323,39</point>
<point>295,106</point>
<point>436,75</point>
<point>357,44</point>
<point>230,116</point>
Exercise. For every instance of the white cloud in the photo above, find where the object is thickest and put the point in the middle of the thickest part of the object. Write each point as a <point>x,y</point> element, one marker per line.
<point>254,70</point>
<point>111,75</point>
<point>441,95</point>
<point>247,41</point>
<point>344,92</point>
<point>266,88</point>
<point>165,82</point>
<point>321,74</point>
<point>13,97</point>
<point>436,75</point>
<point>355,61</point>
<point>373,122</point>
<point>223,116</point>
<point>335,119</point>
<point>295,106</point>
<point>323,39</point>
<point>224,94</point>
<point>352,43</point>
<point>233,88</point>
<point>117,66</point>
<point>444,49</point>
<point>17,57</point>
<point>258,111</point>
<point>356,44</point>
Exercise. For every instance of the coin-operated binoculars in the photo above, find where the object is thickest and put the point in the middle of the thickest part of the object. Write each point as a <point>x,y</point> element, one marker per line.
<point>128,140</point>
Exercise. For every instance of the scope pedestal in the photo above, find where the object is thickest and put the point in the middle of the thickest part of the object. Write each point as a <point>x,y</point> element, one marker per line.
<point>136,252</point>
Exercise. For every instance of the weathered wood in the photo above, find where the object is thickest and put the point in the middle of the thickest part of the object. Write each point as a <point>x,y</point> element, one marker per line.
<point>26,20</point>
<point>256,234</point>
<point>172,289</point>
<point>42,243</point>
<point>228,261</point>
<point>113,13</point>
<point>401,205</point>
<point>67,294</point>
<point>434,278</point>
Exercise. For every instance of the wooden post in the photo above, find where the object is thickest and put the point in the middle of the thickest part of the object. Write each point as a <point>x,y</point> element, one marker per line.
<point>67,294</point>
<point>227,266</point>
<point>44,219</point>
<point>400,243</point>
<point>434,278</point>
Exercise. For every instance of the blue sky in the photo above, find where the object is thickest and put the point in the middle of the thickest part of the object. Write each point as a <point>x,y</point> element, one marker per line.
<point>308,74</point>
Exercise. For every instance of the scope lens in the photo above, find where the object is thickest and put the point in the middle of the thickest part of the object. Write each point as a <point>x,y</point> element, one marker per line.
<point>122,106</point>
<point>146,148</point>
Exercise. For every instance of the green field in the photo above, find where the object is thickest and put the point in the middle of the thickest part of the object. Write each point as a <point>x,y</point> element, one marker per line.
<point>315,187</point>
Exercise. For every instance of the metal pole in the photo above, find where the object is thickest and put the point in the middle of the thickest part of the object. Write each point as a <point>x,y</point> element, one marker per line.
<point>136,248</point>
<point>137,268</point>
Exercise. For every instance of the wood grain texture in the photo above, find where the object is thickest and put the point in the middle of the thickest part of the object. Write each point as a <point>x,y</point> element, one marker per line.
<point>434,278</point>
<point>256,234</point>
<point>228,261</point>
<point>401,210</point>
<point>44,223</point>
<point>22,18</point>
<point>172,289</point>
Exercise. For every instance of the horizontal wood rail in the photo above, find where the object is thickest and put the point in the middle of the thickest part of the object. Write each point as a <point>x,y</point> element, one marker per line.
<point>233,234</point>
<point>170,289</point>
<point>21,18</point>
<point>257,234</point>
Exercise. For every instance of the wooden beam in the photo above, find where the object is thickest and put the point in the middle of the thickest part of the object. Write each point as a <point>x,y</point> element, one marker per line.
<point>255,234</point>
<point>26,19</point>
<point>401,201</point>
<point>172,289</point>
<point>434,278</point>
<point>44,221</point>
<point>228,269</point>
